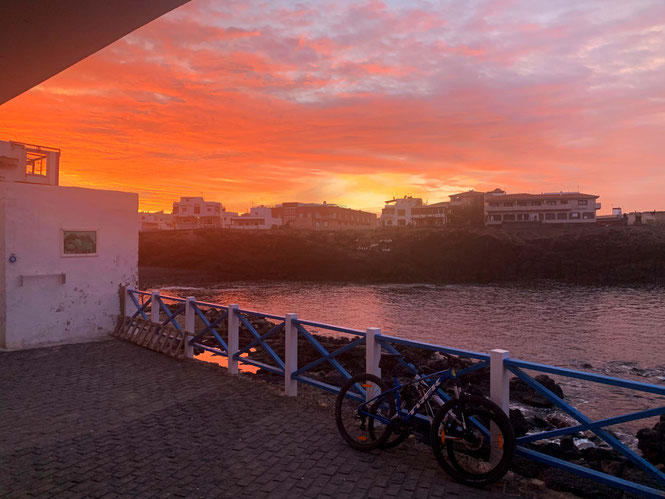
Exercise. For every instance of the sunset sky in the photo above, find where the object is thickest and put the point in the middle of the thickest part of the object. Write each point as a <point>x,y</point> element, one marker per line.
<point>259,102</point>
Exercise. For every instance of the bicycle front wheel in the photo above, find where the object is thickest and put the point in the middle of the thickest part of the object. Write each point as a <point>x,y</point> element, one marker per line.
<point>473,440</point>
<point>363,425</point>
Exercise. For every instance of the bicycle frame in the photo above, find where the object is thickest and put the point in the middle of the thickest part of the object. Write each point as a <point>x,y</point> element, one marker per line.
<point>443,376</point>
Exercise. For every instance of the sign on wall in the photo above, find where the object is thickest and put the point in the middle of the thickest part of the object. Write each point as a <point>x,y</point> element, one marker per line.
<point>79,242</point>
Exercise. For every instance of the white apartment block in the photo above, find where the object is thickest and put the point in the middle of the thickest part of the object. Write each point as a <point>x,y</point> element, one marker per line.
<point>158,220</point>
<point>546,208</point>
<point>196,213</point>
<point>397,212</point>
<point>259,217</point>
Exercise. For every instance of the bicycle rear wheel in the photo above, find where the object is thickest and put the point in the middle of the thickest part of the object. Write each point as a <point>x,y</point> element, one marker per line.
<point>473,440</point>
<point>359,427</point>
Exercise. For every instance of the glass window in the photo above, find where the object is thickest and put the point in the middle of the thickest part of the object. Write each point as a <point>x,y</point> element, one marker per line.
<point>550,216</point>
<point>562,216</point>
<point>401,212</point>
<point>536,203</point>
<point>507,204</point>
<point>564,201</point>
<point>494,205</point>
<point>588,215</point>
<point>574,215</point>
<point>508,218</point>
<point>521,203</point>
<point>582,202</point>
<point>551,202</point>
<point>197,208</point>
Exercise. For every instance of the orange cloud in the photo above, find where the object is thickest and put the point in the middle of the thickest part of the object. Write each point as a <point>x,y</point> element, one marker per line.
<point>248,102</point>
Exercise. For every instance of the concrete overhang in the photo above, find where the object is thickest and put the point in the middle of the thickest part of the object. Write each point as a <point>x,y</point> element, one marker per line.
<point>40,38</point>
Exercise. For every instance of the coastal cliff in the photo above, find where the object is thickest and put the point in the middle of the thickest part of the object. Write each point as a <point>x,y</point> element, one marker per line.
<point>605,255</point>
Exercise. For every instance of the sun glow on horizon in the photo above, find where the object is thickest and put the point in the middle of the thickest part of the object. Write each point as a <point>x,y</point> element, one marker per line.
<point>257,103</point>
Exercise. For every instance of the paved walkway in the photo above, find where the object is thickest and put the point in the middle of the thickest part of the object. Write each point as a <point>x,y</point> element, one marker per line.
<point>111,418</point>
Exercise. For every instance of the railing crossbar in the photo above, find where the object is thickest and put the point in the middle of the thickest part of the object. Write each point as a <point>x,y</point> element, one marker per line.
<point>598,378</point>
<point>140,309</point>
<point>586,423</point>
<point>325,358</point>
<point>437,348</point>
<point>211,305</point>
<point>257,341</point>
<point>590,473</point>
<point>209,349</point>
<point>256,363</point>
<point>331,327</point>
<point>595,424</point>
<point>171,316</point>
<point>256,335</point>
<point>210,327</point>
<point>322,350</point>
<point>261,314</point>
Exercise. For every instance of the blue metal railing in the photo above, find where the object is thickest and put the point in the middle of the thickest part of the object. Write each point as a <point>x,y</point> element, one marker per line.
<point>326,356</point>
<point>585,423</point>
<point>217,345</point>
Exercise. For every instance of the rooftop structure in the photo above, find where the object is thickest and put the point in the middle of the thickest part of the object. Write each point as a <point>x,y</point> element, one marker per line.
<point>197,213</point>
<point>545,208</point>
<point>397,212</point>
<point>20,162</point>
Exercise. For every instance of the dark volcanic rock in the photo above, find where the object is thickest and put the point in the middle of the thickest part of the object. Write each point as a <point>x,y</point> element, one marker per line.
<point>522,392</point>
<point>652,442</point>
<point>519,422</point>
<point>621,255</point>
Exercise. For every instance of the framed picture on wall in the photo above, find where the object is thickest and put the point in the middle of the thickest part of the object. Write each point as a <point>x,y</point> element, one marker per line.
<point>79,242</point>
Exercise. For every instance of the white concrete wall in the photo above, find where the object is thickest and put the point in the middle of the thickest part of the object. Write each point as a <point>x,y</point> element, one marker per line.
<point>38,307</point>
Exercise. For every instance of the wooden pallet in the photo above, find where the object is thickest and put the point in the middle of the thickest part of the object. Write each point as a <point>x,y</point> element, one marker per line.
<point>152,335</point>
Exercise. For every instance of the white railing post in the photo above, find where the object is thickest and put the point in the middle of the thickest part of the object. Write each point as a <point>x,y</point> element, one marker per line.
<point>190,325</point>
<point>290,354</point>
<point>500,379</point>
<point>154,307</point>
<point>232,338</point>
<point>372,351</point>
<point>130,308</point>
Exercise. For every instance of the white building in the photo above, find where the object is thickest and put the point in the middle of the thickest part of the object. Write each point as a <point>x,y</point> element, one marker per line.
<point>64,252</point>
<point>397,212</point>
<point>158,220</point>
<point>546,208</point>
<point>259,217</point>
<point>196,213</point>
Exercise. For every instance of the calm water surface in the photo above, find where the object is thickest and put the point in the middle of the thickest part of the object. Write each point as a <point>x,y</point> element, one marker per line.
<point>613,330</point>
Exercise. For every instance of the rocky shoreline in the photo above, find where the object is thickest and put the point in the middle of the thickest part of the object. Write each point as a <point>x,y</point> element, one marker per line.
<point>531,413</point>
<point>604,255</point>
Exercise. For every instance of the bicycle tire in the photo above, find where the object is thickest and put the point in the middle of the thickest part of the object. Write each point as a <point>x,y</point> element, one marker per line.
<point>458,451</point>
<point>395,437</point>
<point>352,425</point>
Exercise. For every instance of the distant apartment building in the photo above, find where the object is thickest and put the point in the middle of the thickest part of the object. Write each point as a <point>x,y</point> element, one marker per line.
<point>323,216</point>
<point>196,213</point>
<point>646,217</point>
<point>311,216</point>
<point>616,218</point>
<point>398,212</point>
<point>468,208</point>
<point>151,221</point>
<point>547,208</point>
<point>430,215</point>
<point>259,217</point>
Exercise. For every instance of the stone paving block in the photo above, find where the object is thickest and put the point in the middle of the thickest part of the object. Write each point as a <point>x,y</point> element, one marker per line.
<point>126,421</point>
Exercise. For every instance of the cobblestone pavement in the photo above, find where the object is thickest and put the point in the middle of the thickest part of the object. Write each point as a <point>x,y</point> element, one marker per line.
<point>111,418</point>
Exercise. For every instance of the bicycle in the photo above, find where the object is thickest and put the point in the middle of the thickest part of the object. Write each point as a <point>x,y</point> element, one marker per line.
<point>471,437</point>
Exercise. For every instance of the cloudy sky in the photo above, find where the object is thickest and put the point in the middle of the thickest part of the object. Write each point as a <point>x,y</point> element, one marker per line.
<point>251,102</point>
